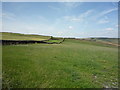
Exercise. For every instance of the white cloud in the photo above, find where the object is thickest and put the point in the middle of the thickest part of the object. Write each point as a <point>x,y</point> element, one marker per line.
<point>60,33</point>
<point>54,8</point>
<point>85,14</point>
<point>72,18</point>
<point>9,16</point>
<point>117,25</point>
<point>109,29</point>
<point>79,18</point>
<point>41,18</point>
<point>103,21</point>
<point>71,4</point>
<point>107,12</point>
<point>76,19</point>
<point>70,27</point>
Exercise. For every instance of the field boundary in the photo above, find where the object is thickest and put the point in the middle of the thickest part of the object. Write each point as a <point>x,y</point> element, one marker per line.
<point>15,42</point>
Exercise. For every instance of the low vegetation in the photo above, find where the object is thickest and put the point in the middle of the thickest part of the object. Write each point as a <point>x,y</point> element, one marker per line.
<point>71,64</point>
<point>18,36</point>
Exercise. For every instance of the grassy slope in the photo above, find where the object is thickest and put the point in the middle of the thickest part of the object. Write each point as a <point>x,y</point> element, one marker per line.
<point>107,40</point>
<point>112,40</point>
<point>57,41</point>
<point>17,36</point>
<point>71,64</point>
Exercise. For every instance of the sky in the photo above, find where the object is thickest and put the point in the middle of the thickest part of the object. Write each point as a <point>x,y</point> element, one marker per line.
<point>61,19</point>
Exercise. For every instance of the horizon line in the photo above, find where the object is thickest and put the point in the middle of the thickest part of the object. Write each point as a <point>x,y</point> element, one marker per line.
<point>60,36</point>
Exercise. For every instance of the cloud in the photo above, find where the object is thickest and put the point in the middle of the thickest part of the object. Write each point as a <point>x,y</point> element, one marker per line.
<point>8,15</point>
<point>54,8</point>
<point>67,7</point>
<point>107,12</point>
<point>85,14</point>
<point>109,29</point>
<point>103,21</point>
<point>79,18</point>
<point>60,33</point>
<point>72,18</point>
<point>71,4</point>
<point>76,19</point>
<point>70,27</point>
<point>117,25</point>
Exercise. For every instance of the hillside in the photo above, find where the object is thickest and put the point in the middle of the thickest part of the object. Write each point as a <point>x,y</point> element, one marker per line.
<point>18,36</point>
<point>110,41</point>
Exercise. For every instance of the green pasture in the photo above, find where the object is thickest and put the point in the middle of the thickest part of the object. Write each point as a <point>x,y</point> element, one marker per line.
<point>17,36</point>
<point>71,64</point>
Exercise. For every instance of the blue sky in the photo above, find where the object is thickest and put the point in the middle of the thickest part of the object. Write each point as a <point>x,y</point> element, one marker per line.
<point>63,19</point>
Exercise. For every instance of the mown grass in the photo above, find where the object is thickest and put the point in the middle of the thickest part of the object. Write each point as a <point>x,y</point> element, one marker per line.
<point>72,64</point>
<point>17,36</point>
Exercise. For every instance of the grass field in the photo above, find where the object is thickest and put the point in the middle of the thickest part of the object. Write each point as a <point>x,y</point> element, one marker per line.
<point>57,41</point>
<point>71,64</point>
<point>18,36</point>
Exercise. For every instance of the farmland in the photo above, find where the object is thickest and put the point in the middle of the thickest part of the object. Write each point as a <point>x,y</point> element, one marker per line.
<point>71,64</point>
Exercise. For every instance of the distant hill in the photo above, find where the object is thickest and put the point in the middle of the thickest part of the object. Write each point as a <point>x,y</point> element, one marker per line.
<point>111,40</point>
<point>18,36</point>
<point>105,39</point>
